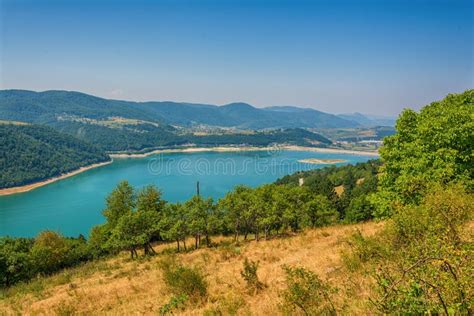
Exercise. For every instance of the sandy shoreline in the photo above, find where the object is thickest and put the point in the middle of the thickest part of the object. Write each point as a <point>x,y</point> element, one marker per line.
<point>32,186</point>
<point>249,148</point>
<point>321,161</point>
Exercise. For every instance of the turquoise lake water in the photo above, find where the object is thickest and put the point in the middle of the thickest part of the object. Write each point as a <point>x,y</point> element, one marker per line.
<point>73,205</point>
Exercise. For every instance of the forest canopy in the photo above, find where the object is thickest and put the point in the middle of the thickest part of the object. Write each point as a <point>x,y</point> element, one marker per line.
<point>30,153</point>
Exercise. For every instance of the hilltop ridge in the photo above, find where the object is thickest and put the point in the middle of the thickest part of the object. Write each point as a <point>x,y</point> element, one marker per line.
<point>39,107</point>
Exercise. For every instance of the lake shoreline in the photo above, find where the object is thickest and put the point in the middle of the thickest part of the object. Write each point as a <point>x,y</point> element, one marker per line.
<point>35,185</point>
<point>275,149</point>
<point>244,148</point>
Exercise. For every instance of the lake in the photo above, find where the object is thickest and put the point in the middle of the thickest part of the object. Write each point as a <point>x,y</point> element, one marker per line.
<point>73,205</point>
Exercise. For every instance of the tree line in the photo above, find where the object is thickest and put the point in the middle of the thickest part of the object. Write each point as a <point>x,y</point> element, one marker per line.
<point>135,219</point>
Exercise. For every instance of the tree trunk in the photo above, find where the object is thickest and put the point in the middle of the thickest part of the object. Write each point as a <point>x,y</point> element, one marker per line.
<point>208,241</point>
<point>196,242</point>
<point>177,243</point>
<point>150,247</point>
<point>184,243</point>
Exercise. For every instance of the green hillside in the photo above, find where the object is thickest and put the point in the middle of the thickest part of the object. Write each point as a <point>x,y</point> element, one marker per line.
<point>132,126</point>
<point>49,106</point>
<point>30,153</point>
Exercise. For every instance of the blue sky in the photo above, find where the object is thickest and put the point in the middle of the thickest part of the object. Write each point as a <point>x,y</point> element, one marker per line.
<point>337,56</point>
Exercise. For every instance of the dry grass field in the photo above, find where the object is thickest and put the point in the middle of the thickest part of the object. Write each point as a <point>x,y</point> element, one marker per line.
<point>121,286</point>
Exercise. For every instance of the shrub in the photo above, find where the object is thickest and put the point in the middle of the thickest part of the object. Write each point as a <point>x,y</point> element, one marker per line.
<point>306,293</point>
<point>363,250</point>
<point>78,251</point>
<point>360,209</point>
<point>97,242</point>
<point>49,252</point>
<point>182,280</point>
<point>249,274</point>
<point>425,264</point>
<point>176,302</point>
<point>15,264</point>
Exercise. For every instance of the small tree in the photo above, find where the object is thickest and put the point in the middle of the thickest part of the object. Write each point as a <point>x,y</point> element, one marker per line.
<point>196,209</point>
<point>360,209</point>
<point>174,224</point>
<point>119,203</point>
<point>237,205</point>
<point>49,252</point>
<point>266,218</point>
<point>149,199</point>
<point>98,238</point>
<point>249,274</point>
<point>319,211</point>
<point>134,230</point>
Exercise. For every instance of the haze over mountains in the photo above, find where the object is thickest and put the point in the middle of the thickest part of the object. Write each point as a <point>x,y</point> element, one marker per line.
<point>369,120</point>
<point>50,106</point>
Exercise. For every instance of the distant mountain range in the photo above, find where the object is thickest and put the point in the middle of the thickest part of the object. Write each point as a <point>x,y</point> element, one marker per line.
<point>369,120</point>
<point>115,125</point>
<point>50,106</point>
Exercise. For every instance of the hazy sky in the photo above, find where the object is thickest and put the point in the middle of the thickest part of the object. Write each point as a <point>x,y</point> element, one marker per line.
<point>337,56</point>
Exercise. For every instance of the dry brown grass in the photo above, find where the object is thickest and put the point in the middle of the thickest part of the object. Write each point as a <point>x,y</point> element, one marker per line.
<point>122,286</point>
<point>339,190</point>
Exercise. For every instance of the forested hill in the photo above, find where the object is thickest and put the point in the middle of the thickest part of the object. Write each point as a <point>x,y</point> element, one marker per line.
<point>49,106</point>
<point>134,126</point>
<point>144,137</point>
<point>347,188</point>
<point>30,153</point>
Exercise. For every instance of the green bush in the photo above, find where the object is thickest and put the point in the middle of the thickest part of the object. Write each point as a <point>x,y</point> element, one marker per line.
<point>182,280</point>
<point>49,252</point>
<point>249,274</point>
<point>360,209</point>
<point>433,145</point>
<point>363,250</point>
<point>15,264</point>
<point>306,293</point>
<point>78,251</point>
<point>422,261</point>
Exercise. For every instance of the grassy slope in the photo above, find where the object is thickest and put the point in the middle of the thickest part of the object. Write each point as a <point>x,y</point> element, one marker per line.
<point>121,286</point>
